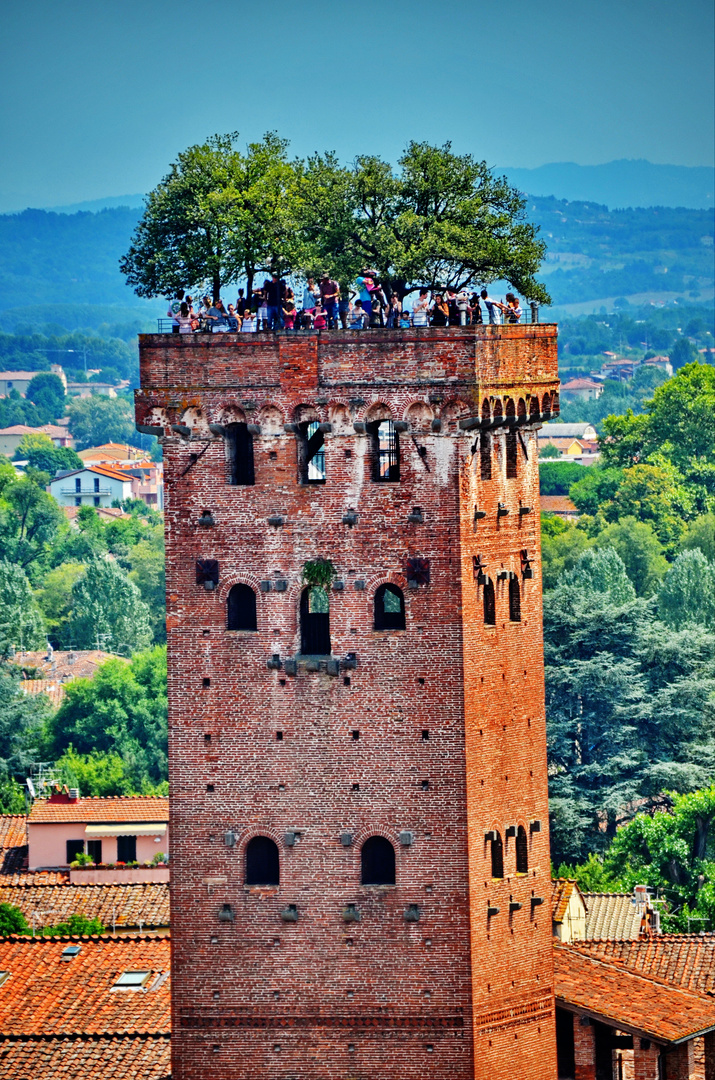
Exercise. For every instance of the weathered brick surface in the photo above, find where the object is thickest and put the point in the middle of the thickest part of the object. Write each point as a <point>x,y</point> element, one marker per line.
<point>584,1045</point>
<point>457,994</point>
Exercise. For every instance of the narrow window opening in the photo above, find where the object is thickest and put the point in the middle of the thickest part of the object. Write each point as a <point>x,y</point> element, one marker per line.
<point>279,736</point>
<point>514,599</point>
<point>206,682</point>
<point>425,735</point>
<point>312,453</point>
<point>356,734</point>
<point>315,621</point>
<point>522,851</point>
<point>74,848</point>
<point>497,857</point>
<point>262,862</point>
<point>241,608</point>
<point>94,850</point>
<point>490,617</point>
<point>355,787</point>
<point>386,451</point>
<point>239,451</point>
<point>511,456</point>
<point>126,849</point>
<point>389,608</point>
<point>485,456</point>
<point>207,737</point>
<point>425,785</point>
<point>377,861</point>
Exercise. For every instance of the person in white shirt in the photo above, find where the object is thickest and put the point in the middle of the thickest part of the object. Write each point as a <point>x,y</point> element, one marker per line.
<point>420,310</point>
<point>494,308</point>
<point>174,309</point>
<point>248,326</point>
<point>359,318</point>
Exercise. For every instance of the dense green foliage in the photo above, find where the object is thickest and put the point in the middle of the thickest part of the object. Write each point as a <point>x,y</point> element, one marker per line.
<point>12,921</point>
<point>39,451</point>
<point>75,924</point>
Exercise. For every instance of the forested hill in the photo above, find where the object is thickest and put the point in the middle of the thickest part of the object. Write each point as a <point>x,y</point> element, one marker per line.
<point>63,268</point>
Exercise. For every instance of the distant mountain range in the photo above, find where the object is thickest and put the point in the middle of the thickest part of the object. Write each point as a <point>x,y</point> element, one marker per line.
<point>620,184</point>
<point>617,184</point>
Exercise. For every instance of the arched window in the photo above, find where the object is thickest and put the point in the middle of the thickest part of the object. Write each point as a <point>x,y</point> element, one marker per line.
<point>490,614</point>
<point>385,451</point>
<point>241,608</point>
<point>312,453</point>
<point>497,857</point>
<point>514,599</point>
<point>378,861</point>
<point>485,456</point>
<point>522,851</point>
<point>314,621</point>
<point>262,862</point>
<point>239,447</point>
<point>389,608</point>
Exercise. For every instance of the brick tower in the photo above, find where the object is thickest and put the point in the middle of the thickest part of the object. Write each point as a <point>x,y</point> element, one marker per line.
<point>360,859</point>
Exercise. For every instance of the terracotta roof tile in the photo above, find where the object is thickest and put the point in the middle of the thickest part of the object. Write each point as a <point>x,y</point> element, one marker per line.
<point>114,1058</point>
<point>626,999</point>
<point>684,960</point>
<point>55,691</point>
<point>36,877</point>
<point>612,915</point>
<point>79,664</point>
<point>44,995</point>
<point>561,891</point>
<point>126,808</point>
<point>558,504</point>
<point>125,905</point>
<point>13,843</point>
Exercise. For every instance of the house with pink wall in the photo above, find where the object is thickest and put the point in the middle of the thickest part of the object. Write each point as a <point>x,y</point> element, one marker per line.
<point>126,829</point>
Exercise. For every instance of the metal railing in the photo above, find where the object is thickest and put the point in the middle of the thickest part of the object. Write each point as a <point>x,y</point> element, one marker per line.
<point>530,314</point>
<point>85,491</point>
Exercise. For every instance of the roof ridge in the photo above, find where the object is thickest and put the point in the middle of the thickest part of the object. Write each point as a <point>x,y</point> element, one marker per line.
<point>84,1036</point>
<point>621,965</point>
<point>41,938</point>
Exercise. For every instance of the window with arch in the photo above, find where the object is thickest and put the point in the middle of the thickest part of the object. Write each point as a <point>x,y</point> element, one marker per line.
<point>377,862</point>
<point>239,450</point>
<point>241,608</point>
<point>522,851</point>
<point>262,862</point>
<point>490,611</point>
<point>385,451</point>
<point>314,621</point>
<point>389,608</point>
<point>511,455</point>
<point>312,453</point>
<point>497,854</point>
<point>485,456</point>
<point>514,599</point>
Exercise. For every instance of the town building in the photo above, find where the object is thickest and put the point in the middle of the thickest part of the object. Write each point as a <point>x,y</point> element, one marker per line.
<point>11,437</point>
<point>110,830</point>
<point>584,389</point>
<point>360,858</point>
<point>560,506</point>
<point>95,1007</point>
<point>95,485</point>
<point>19,381</point>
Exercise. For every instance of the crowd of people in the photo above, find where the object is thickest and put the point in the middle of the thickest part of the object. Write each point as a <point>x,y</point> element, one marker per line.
<point>324,305</point>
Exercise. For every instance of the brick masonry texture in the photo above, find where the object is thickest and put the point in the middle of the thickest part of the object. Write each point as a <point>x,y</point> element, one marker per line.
<point>458,993</point>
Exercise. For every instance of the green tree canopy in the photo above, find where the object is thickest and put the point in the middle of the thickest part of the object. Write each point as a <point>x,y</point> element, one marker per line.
<point>107,611</point>
<point>701,534</point>
<point>21,626</point>
<point>442,219</point>
<point>47,391</point>
<point>40,452</point>
<point>639,548</point>
<point>121,711</point>
<point>687,595</point>
<point>12,921</point>
<point>217,216</point>
<point>22,717</point>
<point>30,521</point>
<point>96,420</point>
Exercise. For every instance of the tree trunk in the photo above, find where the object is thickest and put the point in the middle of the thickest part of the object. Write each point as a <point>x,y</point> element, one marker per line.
<point>216,284</point>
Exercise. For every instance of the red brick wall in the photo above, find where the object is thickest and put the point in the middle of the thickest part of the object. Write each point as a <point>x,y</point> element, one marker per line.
<point>456,994</point>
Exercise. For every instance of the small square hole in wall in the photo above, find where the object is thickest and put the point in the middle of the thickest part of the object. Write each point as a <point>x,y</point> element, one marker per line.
<point>216,1049</point>
<point>207,682</point>
<point>279,736</point>
<point>217,995</point>
<point>346,681</point>
<point>281,787</point>
<point>427,993</point>
<point>425,785</point>
<point>425,734</point>
<point>356,734</point>
<point>277,1048</point>
<point>210,787</point>
<point>205,632</point>
<point>421,681</point>
<point>276,941</point>
<point>272,455</point>
<point>429,1048</point>
<point>355,787</point>
<point>214,941</point>
<point>276,994</point>
<point>348,941</point>
<point>207,736</point>
<point>282,682</point>
<point>351,994</point>
<point>351,1048</point>
<point>348,453</point>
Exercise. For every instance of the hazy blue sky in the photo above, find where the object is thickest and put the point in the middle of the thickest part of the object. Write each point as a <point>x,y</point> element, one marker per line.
<point>97,98</point>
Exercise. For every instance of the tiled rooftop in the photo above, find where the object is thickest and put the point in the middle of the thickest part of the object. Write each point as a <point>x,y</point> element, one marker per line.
<point>44,995</point>
<point>684,960</point>
<point>561,891</point>
<point>13,843</point>
<point>125,905</point>
<point>99,1058</point>
<point>633,1002</point>
<point>611,915</point>
<point>126,808</point>
<point>80,664</point>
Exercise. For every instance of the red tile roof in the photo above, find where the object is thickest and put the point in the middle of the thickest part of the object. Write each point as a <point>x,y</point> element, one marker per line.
<point>126,808</point>
<point>612,915</point>
<point>558,504</point>
<point>684,960</point>
<point>627,1000</point>
<point>13,843</point>
<point>44,995</point>
<point>98,1058</point>
<point>141,904</point>
<point>561,891</point>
